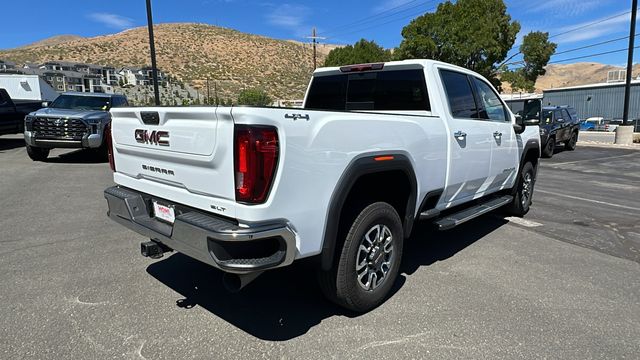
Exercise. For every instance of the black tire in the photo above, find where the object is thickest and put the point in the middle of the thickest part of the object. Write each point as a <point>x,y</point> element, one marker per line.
<point>523,191</point>
<point>102,153</point>
<point>549,148</point>
<point>342,283</point>
<point>37,154</point>
<point>571,143</point>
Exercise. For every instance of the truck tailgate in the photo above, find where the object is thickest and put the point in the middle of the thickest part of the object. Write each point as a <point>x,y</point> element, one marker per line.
<point>190,149</point>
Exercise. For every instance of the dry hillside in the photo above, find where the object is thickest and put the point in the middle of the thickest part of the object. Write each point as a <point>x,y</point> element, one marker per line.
<point>192,53</point>
<point>54,40</point>
<point>235,60</point>
<point>563,75</point>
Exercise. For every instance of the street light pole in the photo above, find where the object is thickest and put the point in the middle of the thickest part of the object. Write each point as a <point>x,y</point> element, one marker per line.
<point>152,48</point>
<point>627,89</point>
<point>624,133</point>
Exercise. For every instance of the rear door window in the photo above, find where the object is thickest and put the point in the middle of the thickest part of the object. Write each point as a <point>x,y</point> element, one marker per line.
<point>459,95</point>
<point>382,91</point>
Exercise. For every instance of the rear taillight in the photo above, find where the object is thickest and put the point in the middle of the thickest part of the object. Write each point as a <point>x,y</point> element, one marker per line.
<point>256,159</point>
<point>107,134</point>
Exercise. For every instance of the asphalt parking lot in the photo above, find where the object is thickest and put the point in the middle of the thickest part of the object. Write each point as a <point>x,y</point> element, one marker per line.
<point>562,283</point>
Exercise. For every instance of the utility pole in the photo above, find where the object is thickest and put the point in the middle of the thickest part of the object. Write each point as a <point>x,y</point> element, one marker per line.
<point>315,39</point>
<point>208,93</point>
<point>215,90</point>
<point>624,134</point>
<point>152,48</point>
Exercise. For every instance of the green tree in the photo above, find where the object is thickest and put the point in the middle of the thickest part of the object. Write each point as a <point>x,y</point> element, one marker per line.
<point>536,50</point>
<point>254,97</point>
<point>475,34</point>
<point>362,52</point>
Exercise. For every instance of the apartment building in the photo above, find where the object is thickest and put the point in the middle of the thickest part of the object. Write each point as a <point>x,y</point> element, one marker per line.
<point>81,77</point>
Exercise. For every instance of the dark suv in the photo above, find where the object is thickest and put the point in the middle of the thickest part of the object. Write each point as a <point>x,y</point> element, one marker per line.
<point>558,124</point>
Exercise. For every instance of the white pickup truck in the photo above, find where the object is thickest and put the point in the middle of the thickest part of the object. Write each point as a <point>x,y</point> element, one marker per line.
<point>376,148</point>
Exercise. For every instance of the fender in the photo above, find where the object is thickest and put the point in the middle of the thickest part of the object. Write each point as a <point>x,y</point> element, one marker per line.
<point>532,144</point>
<point>364,165</point>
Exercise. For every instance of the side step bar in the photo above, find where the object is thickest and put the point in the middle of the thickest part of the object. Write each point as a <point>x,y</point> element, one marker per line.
<point>453,220</point>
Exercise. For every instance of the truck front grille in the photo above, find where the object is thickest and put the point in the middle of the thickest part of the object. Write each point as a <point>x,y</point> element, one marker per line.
<point>58,128</point>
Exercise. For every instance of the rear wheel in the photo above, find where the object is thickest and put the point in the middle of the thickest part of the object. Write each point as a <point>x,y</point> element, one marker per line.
<point>571,143</point>
<point>549,148</point>
<point>523,192</point>
<point>368,263</point>
<point>37,154</point>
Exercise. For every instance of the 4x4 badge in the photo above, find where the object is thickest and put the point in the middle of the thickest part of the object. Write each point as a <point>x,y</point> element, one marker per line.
<point>297,117</point>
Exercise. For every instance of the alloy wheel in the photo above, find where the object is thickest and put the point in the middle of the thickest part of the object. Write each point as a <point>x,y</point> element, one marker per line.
<point>375,257</point>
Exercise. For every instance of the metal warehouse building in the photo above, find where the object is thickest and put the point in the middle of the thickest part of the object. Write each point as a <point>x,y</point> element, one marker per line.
<point>603,100</point>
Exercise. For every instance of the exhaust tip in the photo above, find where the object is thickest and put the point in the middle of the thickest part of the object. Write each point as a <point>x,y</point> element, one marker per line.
<point>234,282</point>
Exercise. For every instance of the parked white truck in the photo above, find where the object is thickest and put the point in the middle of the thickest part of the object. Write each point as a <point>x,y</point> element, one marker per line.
<point>376,148</point>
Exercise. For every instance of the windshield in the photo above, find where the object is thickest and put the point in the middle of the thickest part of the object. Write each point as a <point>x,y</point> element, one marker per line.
<point>547,117</point>
<point>81,102</point>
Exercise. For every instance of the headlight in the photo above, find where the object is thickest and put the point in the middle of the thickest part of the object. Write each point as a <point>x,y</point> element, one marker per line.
<point>93,121</point>
<point>543,131</point>
<point>29,118</point>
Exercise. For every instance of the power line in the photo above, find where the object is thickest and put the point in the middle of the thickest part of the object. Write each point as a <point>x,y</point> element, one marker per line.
<point>366,19</point>
<point>381,15</point>
<point>590,24</point>
<point>573,30</point>
<point>592,45</point>
<point>585,56</point>
<point>592,55</point>
<point>578,48</point>
<point>384,23</point>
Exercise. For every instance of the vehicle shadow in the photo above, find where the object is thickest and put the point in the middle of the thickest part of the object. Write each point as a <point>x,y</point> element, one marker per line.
<point>10,144</point>
<point>286,303</point>
<point>81,156</point>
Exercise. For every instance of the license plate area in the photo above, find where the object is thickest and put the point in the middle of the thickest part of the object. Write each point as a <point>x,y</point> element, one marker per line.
<point>164,212</point>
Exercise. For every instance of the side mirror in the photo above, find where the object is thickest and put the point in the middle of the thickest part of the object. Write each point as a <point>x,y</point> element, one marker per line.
<point>45,104</point>
<point>532,122</point>
<point>519,125</point>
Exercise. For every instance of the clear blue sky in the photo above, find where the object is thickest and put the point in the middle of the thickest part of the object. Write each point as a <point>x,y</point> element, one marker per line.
<point>382,20</point>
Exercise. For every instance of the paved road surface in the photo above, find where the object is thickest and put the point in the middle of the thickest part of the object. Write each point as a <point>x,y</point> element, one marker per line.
<point>565,283</point>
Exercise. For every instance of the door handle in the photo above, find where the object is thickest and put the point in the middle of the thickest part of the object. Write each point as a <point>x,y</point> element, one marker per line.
<point>497,134</point>
<point>460,135</point>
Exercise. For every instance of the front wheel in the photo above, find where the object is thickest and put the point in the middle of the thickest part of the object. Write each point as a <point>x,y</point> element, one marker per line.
<point>571,143</point>
<point>523,192</point>
<point>37,154</point>
<point>368,264</point>
<point>549,148</point>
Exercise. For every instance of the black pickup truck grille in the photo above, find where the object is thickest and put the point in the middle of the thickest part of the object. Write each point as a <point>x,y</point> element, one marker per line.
<point>58,128</point>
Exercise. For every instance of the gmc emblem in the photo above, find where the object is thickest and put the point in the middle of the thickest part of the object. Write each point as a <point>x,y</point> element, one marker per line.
<point>160,138</point>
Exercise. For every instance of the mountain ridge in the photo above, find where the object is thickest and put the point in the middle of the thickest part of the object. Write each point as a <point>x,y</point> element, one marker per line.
<point>192,52</point>
<point>233,60</point>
